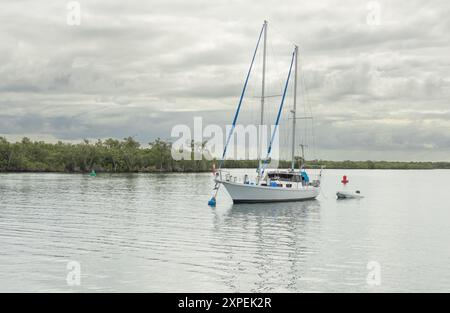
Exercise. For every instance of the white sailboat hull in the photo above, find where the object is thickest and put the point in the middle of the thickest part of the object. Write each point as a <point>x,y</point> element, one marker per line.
<point>245,193</point>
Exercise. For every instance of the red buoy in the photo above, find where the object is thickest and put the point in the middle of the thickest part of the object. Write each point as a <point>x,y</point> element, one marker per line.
<point>344,180</point>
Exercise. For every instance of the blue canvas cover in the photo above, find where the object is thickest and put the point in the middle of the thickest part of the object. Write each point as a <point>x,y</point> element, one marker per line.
<point>305,176</point>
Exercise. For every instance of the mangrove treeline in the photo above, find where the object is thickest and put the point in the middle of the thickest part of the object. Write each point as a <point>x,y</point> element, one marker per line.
<point>128,155</point>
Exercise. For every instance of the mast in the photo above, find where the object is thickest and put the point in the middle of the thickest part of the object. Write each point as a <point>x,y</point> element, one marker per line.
<point>294,111</point>
<point>261,122</point>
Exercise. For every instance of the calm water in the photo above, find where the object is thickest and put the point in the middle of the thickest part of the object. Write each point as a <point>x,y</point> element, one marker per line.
<point>155,233</point>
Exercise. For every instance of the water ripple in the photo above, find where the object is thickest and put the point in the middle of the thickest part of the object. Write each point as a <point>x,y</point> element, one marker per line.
<point>154,232</point>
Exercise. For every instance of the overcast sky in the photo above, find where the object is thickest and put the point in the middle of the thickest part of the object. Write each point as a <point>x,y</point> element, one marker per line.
<point>377,89</point>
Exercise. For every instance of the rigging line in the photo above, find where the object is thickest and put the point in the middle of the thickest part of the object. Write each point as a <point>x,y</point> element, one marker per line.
<point>279,113</point>
<point>241,98</point>
<point>309,106</point>
<point>276,79</point>
<point>272,96</point>
<point>305,110</point>
<point>306,106</point>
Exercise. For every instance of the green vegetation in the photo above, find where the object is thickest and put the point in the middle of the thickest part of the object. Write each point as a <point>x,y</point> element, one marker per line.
<point>127,155</point>
<point>110,155</point>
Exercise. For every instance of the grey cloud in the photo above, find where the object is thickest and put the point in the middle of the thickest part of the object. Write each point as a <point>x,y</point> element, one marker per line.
<point>140,67</point>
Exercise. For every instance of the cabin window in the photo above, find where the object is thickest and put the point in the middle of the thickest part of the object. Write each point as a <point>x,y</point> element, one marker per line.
<point>288,177</point>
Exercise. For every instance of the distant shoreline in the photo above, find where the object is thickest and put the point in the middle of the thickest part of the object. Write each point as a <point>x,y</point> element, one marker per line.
<point>127,156</point>
<point>402,166</point>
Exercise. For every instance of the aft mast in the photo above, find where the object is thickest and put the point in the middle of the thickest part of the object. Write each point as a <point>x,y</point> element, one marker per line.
<point>261,122</point>
<point>294,111</point>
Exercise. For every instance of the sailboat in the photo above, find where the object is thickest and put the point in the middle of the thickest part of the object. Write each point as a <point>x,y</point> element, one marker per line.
<point>270,185</point>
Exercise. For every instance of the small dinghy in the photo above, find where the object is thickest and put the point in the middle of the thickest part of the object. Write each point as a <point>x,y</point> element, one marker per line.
<point>349,195</point>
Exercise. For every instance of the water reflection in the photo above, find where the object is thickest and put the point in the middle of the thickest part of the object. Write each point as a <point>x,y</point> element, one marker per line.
<point>286,209</point>
<point>266,244</point>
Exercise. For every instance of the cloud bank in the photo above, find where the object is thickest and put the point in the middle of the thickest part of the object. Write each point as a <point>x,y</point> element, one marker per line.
<point>136,68</point>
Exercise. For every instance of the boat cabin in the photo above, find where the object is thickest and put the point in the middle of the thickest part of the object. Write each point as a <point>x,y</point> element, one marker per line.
<point>285,176</point>
<point>286,179</point>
